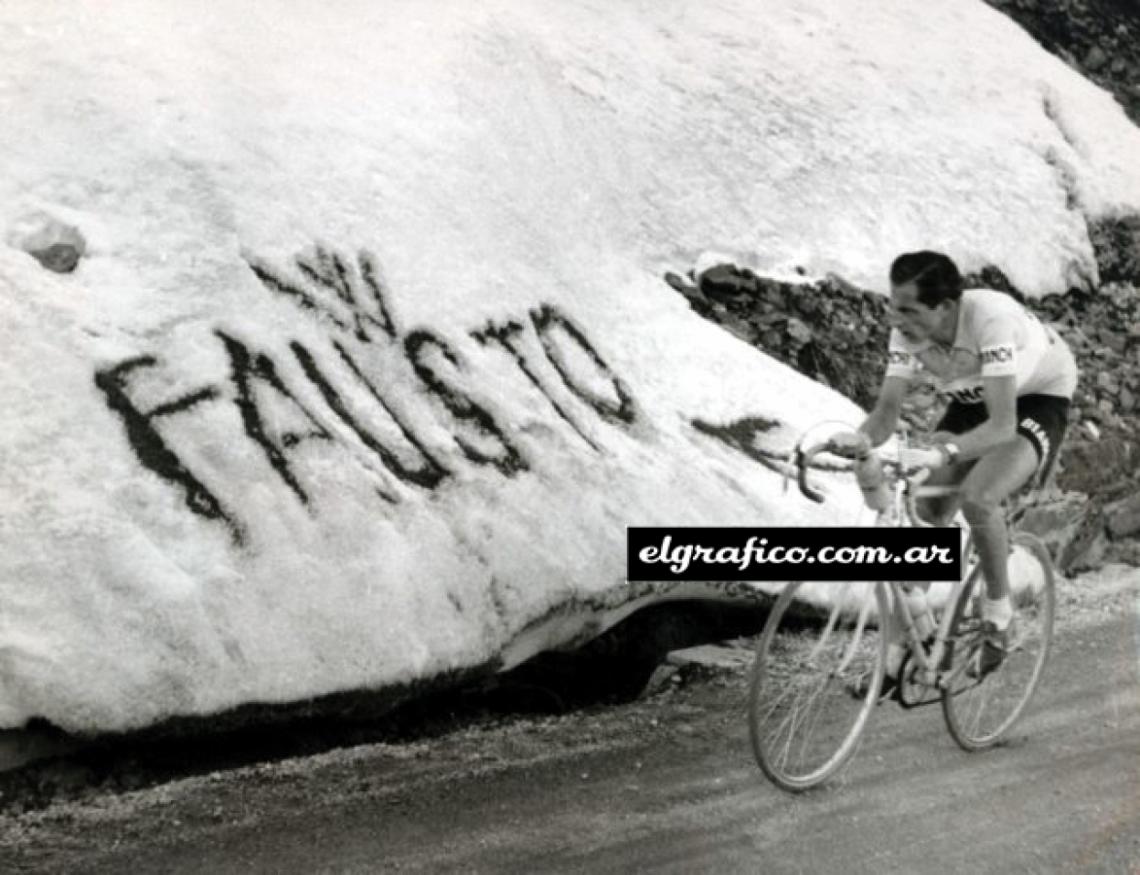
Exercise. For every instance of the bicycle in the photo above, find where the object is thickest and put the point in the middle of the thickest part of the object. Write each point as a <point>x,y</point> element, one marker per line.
<point>819,669</point>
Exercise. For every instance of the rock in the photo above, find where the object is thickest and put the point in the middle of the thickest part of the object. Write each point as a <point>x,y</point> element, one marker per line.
<point>686,288</point>
<point>1095,59</point>
<point>53,243</point>
<point>1116,342</point>
<point>1123,518</point>
<point>59,257</point>
<point>1068,526</point>
<point>660,678</point>
<point>992,277</point>
<point>711,656</point>
<point>724,282</point>
<point>798,331</point>
<point>1127,552</point>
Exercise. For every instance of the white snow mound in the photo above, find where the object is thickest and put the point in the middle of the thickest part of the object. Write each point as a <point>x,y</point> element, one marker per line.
<point>369,364</point>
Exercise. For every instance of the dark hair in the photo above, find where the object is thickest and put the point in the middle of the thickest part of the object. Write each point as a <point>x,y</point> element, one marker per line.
<point>934,275</point>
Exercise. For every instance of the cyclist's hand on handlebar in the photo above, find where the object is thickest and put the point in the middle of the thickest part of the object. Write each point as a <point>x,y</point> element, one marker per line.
<point>914,458</point>
<point>849,444</point>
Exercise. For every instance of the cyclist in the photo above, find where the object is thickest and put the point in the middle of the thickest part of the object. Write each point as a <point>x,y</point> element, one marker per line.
<point>1009,380</point>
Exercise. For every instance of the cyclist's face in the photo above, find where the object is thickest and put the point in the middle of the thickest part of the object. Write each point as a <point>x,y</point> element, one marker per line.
<point>914,319</point>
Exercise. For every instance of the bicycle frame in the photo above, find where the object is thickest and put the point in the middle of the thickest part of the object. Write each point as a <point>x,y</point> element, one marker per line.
<point>906,492</point>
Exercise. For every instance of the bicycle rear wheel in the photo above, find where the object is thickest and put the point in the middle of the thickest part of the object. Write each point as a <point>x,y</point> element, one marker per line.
<point>816,678</point>
<point>979,712</point>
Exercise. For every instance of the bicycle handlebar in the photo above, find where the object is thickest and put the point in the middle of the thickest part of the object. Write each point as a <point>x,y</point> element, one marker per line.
<point>803,462</point>
<point>803,459</point>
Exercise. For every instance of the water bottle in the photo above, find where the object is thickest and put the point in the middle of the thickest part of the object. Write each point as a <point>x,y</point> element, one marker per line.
<point>869,475</point>
<point>919,608</point>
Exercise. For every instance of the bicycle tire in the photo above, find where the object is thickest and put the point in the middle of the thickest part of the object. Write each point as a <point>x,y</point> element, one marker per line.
<point>980,713</point>
<point>804,720</point>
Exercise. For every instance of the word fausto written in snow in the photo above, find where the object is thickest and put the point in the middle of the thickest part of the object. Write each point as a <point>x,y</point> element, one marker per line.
<point>366,355</point>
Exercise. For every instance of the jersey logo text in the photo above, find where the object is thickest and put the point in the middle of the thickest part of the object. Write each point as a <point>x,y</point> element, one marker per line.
<point>1034,428</point>
<point>1000,355</point>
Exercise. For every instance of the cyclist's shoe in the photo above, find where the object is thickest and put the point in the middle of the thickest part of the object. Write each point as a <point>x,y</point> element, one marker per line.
<point>996,645</point>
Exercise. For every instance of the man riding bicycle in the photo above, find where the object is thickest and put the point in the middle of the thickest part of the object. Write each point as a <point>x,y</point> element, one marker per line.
<point>1009,380</point>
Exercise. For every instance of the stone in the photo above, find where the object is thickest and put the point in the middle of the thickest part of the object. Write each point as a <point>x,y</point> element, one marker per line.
<point>59,257</point>
<point>711,656</point>
<point>55,244</point>
<point>679,283</point>
<point>1064,525</point>
<point>661,677</point>
<point>798,331</point>
<point>1115,341</point>
<point>1123,518</point>
<point>1095,59</point>
<point>725,282</point>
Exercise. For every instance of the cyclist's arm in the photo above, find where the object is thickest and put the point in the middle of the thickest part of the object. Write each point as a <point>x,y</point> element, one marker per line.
<point>880,423</point>
<point>1000,426</point>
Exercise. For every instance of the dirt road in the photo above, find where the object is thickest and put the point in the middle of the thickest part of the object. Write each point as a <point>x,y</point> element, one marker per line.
<point>662,785</point>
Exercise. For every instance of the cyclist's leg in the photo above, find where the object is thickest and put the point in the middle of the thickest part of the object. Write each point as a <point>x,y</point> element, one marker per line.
<point>940,509</point>
<point>994,477</point>
<point>958,418</point>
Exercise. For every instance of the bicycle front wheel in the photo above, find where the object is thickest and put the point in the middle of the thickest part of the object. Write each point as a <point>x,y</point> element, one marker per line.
<point>979,711</point>
<point>817,676</point>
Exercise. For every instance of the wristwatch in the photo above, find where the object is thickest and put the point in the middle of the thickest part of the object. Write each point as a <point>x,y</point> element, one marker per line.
<point>950,451</point>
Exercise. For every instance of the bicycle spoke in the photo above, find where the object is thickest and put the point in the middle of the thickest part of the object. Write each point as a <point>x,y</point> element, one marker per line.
<point>814,706</point>
<point>804,719</point>
<point>980,709</point>
<point>792,720</point>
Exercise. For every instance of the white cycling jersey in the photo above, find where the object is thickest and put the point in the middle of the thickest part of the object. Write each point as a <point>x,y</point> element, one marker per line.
<point>996,336</point>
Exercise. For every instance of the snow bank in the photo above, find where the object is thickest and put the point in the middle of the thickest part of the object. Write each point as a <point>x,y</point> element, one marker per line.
<point>369,363</point>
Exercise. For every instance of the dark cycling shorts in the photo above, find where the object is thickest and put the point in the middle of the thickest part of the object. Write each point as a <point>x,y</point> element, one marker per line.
<point>1042,419</point>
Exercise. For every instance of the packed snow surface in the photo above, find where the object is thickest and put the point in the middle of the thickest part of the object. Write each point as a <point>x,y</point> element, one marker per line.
<point>369,364</point>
